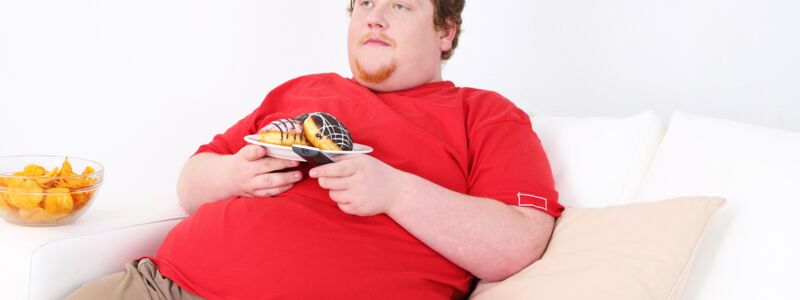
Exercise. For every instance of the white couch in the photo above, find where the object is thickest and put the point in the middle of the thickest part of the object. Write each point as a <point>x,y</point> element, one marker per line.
<point>750,251</point>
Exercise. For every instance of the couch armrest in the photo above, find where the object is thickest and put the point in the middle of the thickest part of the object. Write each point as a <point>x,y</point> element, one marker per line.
<point>59,266</point>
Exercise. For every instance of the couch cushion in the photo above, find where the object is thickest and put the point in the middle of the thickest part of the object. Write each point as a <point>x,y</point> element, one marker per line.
<point>632,251</point>
<point>752,251</point>
<point>599,161</point>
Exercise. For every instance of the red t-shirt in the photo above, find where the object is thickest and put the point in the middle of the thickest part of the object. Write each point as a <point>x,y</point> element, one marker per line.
<point>300,245</point>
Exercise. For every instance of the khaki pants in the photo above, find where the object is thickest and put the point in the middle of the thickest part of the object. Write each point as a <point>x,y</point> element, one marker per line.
<point>140,280</point>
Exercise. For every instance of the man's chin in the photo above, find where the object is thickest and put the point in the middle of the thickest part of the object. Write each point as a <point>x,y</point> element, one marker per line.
<point>375,75</point>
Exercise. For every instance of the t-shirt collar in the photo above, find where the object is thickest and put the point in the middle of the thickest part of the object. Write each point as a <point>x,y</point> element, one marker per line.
<point>420,89</point>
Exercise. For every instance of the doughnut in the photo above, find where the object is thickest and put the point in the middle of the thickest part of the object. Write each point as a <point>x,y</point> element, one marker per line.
<point>284,132</point>
<point>326,132</point>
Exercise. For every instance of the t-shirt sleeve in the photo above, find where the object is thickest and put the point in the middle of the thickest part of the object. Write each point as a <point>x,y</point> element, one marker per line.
<point>271,108</point>
<point>233,139</point>
<point>509,164</point>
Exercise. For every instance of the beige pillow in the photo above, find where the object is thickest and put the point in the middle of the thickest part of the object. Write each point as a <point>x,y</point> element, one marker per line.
<point>634,251</point>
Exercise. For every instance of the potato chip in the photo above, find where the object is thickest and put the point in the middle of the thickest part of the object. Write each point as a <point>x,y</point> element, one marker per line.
<point>32,170</point>
<point>72,180</point>
<point>4,201</point>
<point>38,215</point>
<point>52,173</point>
<point>48,180</point>
<point>27,213</point>
<point>25,193</point>
<point>87,179</point>
<point>81,198</point>
<point>58,201</point>
<point>14,181</point>
<point>66,168</point>
<point>88,171</point>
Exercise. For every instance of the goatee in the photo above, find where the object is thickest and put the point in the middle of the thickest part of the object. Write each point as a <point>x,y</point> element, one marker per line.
<point>379,75</point>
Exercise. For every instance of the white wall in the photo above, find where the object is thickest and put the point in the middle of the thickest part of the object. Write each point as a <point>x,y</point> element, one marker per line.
<point>151,80</point>
<point>737,59</point>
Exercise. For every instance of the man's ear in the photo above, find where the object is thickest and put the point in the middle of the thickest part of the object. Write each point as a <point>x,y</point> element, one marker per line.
<point>446,36</point>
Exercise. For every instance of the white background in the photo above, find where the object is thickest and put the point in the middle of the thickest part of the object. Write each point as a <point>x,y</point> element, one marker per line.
<point>138,85</point>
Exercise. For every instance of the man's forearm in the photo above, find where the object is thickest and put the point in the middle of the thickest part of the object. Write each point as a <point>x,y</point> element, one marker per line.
<point>198,182</point>
<point>488,238</point>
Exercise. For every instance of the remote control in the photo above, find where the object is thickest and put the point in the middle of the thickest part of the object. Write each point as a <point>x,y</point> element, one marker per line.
<point>312,155</point>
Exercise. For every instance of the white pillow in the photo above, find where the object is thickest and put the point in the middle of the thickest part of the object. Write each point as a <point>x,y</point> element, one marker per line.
<point>599,161</point>
<point>753,250</point>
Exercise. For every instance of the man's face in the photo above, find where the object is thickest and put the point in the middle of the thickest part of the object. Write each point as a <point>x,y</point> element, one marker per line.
<point>393,45</point>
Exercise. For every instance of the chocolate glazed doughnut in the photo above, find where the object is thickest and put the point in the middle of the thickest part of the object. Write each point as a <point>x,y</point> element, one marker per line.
<point>326,132</point>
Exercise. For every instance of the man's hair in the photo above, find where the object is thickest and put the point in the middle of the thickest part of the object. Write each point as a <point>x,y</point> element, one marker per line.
<point>444,10</point>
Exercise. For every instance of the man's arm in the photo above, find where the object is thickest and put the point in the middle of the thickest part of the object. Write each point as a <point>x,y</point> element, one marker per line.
<point>208,177</point>
<point>197,186</point>
<point>488,238</point>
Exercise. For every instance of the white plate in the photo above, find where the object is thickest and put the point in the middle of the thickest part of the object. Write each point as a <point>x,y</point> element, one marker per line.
<point>285,152</point>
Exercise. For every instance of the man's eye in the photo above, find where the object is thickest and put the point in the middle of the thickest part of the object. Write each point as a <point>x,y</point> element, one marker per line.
<point>365,3</point>
<point>400,6</point>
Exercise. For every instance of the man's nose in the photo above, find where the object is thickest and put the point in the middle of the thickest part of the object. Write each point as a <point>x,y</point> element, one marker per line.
<point>377,19</point>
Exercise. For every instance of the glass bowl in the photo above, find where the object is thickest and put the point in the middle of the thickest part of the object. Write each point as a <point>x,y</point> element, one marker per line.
<point>43,190</point>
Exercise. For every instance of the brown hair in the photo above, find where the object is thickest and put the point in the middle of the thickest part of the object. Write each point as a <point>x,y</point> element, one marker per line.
<point>444,10</point>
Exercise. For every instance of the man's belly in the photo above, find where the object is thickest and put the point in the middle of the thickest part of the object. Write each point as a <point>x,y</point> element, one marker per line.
<point>296,246</point>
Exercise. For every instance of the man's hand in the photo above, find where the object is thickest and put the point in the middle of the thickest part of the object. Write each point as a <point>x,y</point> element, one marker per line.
<point>253,174</point>
<point>361,184</point>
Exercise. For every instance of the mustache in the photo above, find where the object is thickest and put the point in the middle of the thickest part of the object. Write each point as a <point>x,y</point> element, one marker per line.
<point>380,35</point>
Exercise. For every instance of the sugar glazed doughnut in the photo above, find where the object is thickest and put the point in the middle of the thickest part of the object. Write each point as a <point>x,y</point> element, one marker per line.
<point>326,132</point>
<point>284,132</point>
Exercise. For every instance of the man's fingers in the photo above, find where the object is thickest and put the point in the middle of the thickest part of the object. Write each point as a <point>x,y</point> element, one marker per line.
<point>271,164</point>
<point>339,197</point>
<point>272,192</point>
<point>252,152</point>
<point>334,183</point>
<point>342,168</point>
<point>346,157</point>
<point>347,208</point>
<point>274,180</point>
